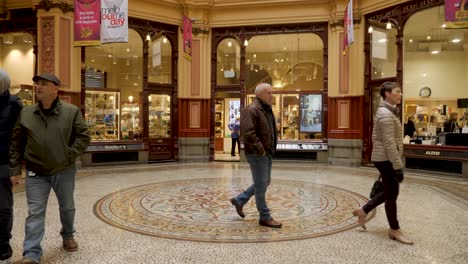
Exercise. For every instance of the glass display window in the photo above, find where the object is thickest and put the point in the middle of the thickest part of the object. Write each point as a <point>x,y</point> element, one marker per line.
<point>219,118</point>
<point>102,114</point>
<point>290,62</point>
<point>160,61</point>
<point>130,121</point>
<point>383,53</point>
<point>159,116</point>
<point>228,63</point>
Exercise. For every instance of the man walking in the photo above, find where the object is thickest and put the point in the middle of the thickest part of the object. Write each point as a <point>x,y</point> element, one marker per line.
<point>10,107</point>
<point>258,132</point>
<point>49,136</point>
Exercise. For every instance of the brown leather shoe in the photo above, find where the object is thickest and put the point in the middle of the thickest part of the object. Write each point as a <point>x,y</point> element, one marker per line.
<point>359,212</point>
<point>398,236</point>
<point>25,261</point>
<point>270,223</point>
<point>70,245</point>
<point>238,207</point>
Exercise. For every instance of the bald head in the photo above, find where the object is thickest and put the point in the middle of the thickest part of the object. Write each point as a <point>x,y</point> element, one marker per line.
<point>264,92</point>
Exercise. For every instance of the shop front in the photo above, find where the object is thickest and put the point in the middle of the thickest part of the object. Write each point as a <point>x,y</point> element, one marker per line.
<point>293,60</point>
<point>413,45</point>
<point>129,93</point>
<point>18,52</point>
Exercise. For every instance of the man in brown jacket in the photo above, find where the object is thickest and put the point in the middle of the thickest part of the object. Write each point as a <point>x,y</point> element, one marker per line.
<point>258,132</point>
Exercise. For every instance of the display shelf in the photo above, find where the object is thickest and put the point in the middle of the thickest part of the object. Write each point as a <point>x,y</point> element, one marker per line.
<point>130,121</point>
<point>159,116</point>
<point>219,118</point>
<point>102,114</point>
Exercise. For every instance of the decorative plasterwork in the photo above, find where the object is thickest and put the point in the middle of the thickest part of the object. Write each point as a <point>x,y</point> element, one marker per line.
<point>47,44</point>
<point>49,4</point>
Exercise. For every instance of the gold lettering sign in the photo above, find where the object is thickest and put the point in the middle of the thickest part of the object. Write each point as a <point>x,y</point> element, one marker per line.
<point>432,153</point>
<point>115,147</point>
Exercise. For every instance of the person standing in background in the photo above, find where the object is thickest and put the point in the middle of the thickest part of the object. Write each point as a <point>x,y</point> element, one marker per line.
<point>410,129</point>
<point>10,108</point>
<point>49,137</point>
<point>235,127</point>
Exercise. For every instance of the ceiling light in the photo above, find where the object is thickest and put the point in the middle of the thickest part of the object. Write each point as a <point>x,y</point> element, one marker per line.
<point>382,40</point>
<point>389,25</point>
<point>428,37</point>
<point>229,44</point>
<point>370,30</point>
<point>164,40</point>
<point>410,40</point>
<point>246,43</point>
<point>148,37</point>
<point>435,52</point>
<point>444,25</point>
<point>456,40</point>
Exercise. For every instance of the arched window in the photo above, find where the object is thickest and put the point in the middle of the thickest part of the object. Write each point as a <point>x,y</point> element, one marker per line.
<point>160,61</point>
<point>228,62</point>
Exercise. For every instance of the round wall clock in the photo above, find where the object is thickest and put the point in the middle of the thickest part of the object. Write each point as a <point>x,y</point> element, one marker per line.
<point>425,92</point>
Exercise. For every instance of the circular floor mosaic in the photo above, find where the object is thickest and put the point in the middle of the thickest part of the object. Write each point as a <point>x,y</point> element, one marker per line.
<point>200,210</point>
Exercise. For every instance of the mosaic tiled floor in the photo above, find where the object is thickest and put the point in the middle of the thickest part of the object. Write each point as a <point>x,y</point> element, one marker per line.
<point>199,210</point>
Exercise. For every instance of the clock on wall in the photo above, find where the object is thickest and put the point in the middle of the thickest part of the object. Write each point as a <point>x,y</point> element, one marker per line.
<point>425,92</point>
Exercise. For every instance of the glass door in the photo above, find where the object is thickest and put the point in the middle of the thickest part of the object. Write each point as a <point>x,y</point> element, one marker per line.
<point>160,124</point>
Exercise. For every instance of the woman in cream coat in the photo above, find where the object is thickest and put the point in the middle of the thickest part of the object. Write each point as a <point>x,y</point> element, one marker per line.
<point>386,154</point>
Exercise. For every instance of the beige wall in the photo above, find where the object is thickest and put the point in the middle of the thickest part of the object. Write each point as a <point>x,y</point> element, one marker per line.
<point>18,61</point>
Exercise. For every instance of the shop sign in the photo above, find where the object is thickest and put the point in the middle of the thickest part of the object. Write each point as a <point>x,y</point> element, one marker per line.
<point>456,14</point>
<point>157,53</point>
<point>114,21</point>
<point>87,22</point>
<point>115,147</point>
<point>432,153</point>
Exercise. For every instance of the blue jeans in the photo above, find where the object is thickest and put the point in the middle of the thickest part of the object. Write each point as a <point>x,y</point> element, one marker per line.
<point>37,193</point>
<point>261,174</point>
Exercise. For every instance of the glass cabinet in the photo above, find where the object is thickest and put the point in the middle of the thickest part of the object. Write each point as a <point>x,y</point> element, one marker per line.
<point>159,116</point>
<point>102,114</point>
<point>130,121</point>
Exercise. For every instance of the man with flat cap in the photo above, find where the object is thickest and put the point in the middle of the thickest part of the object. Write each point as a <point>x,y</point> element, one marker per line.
<point>49,136</point>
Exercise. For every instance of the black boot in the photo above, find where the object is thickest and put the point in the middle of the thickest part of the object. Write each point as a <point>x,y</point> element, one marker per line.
<point>5,252</point>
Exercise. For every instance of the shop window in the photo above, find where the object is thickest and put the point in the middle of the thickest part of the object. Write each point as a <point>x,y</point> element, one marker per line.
<point>435,69</point>
<point>160,61</point>
<point>228,62</point>
<point>290,62</point>
<point>159,116</point>
<point>383,53</point>
<point>17,59</point>
<point>114,95</point>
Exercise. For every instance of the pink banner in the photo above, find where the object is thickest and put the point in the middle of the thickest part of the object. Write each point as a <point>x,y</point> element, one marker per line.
<point>87,22</point>
<point>187,27</point>
<point>456,13</point>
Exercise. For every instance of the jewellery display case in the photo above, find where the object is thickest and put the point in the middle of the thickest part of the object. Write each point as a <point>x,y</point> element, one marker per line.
<point>159,116</point>
<point>102,114</point>
<point>130,121</point>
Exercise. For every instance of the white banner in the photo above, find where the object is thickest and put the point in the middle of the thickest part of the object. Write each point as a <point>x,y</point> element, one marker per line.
<point>114,21</point>
<point>157,53</point>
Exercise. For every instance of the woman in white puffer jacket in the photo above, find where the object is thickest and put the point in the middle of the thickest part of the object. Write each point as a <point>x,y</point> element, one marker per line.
<point>387,153</point>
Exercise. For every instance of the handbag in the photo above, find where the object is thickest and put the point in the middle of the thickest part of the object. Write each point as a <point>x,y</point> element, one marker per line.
<point>377,187</point>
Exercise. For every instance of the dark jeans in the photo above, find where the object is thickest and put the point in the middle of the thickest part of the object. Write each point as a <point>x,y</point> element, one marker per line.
<point>233,148</point>
<point>6,207</point>
<point>389,195</point>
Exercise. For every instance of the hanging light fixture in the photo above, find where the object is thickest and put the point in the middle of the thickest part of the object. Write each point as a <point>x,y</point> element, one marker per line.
<point>370,30</point>
<point>148,37</point>
<point>246,43</point>
<point>389,25</point>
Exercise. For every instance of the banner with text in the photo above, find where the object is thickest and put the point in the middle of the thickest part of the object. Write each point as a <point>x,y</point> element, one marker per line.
<point>87,22</point>
<point>187,27</point>
<point>114,21</point>
<point>456,14</point>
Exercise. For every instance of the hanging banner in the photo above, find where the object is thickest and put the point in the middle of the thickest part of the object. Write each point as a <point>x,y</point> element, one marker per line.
<point>156,53</point>
<point>348,27</point>
<point>87,22</point>
<point>187,36</point>
<point>114,21</point>
<point>456,14</point>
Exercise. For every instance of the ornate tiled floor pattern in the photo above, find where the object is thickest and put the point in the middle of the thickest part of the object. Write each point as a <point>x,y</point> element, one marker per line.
<point>199,210</point>
<point>432,210</point>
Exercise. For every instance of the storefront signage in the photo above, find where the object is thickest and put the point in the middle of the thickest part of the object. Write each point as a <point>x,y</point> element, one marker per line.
<point>456,14</point>
<point>116,147</point>
<point>114,21</point>
<point>406,8</point>
<point>87,22</point>
<point>432,153</point>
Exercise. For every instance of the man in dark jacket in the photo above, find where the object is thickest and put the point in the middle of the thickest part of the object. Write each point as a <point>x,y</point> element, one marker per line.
<point>49,136</point>
<point>10,107</point>
<point>258,132</point>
